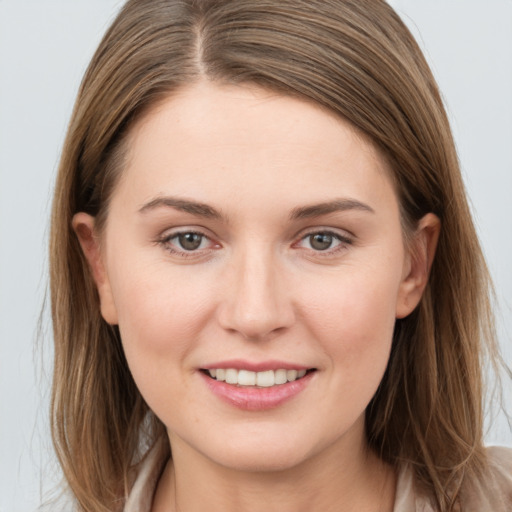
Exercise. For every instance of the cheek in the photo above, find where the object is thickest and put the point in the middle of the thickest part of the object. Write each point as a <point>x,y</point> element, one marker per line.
<point>353,317</point>
<point>160,310</point>
<point>161,315</point>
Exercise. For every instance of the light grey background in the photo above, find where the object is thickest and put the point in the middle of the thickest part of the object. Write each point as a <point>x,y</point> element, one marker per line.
<point>44,48</point>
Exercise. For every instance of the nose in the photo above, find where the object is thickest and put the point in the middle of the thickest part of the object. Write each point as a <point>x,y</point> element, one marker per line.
<point>256,299</point>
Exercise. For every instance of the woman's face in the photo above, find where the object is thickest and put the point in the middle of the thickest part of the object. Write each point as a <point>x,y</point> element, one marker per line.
<point>253,238</point>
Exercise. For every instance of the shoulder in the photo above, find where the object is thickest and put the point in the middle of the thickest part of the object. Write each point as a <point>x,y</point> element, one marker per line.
<point>500,458</point>
<point>147,474</point>
<point>493,490</point>
<point>500,472</point>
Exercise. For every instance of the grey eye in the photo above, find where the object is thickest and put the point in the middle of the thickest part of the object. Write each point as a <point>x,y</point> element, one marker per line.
<point>321,241</point>
<point>190,241</point>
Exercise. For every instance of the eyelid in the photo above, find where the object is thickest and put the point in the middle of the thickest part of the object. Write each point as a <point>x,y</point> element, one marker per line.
<point>168,235</point>
<point>345,239</point>
<point>343,234</point>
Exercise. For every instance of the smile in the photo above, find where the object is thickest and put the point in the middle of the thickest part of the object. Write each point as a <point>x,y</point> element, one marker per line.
<point>262,379</point>
<point>258,388</point>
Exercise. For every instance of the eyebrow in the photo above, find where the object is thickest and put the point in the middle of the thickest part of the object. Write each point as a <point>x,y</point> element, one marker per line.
<point>184,205</point>
<point>207,211</point>
<point>338,205</point>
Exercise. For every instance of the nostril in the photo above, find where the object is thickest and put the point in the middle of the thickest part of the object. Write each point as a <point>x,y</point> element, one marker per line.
<point>256,305</point>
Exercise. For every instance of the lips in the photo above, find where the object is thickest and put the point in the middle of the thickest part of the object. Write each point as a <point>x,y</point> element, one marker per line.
<point>256,387</point>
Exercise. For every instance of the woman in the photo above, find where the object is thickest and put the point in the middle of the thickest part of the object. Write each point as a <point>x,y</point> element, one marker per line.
<point>263,263</point>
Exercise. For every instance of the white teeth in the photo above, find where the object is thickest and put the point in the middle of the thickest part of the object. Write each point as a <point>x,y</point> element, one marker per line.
<point>291,375</point>
<point>246,378</point>
<point>231,376</point>
<point>280,376</point>
<point>265,379</point>
<point>261,379</point>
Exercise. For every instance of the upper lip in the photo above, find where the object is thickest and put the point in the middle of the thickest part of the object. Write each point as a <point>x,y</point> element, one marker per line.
<point>253,366</point>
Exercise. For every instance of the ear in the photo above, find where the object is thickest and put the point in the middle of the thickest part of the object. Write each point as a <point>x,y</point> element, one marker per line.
<point>417,265</point>
<point>84,227</point>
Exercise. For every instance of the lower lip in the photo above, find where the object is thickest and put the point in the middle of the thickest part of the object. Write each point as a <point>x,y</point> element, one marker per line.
<point>257,399</point>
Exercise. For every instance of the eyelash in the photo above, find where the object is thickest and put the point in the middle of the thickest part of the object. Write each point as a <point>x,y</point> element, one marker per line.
<point>166,243</point>
<point>344,242</point>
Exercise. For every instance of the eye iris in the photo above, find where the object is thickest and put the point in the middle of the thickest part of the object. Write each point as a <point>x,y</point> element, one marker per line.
<point>190,241</point>
<point>320,241</point>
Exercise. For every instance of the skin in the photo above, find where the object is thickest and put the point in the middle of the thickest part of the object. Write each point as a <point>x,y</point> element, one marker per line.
<point>257,289</point>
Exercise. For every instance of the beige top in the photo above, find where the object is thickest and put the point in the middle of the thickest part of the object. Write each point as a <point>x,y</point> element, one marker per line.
<point>496,498</point>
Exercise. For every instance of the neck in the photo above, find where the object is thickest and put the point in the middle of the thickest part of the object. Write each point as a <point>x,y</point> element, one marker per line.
<point>342,479</point>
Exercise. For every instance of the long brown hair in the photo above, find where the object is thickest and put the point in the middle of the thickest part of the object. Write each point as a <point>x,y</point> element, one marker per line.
<point>357,59</point>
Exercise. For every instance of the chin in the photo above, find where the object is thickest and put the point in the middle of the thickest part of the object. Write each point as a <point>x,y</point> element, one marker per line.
<point>270,450</point>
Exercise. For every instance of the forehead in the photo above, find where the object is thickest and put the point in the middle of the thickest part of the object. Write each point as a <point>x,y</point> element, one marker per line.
<point>217,140</point>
